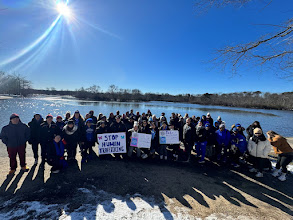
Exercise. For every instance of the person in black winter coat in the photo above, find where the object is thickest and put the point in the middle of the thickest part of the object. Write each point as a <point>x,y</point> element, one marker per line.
<point>71,137</point>
<point>117,126</point>
<point>49,130</point>
<point>55,155</point>
<point>95,120</point>
<point>188,137</point>
<point>14,136</point>
<point>211,140</point>
<point>155,139</point>
<point>35,138</point>
<point>59,123</point>
<point>250,129</point>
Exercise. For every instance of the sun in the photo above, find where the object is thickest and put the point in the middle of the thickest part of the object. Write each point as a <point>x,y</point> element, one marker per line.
<point>63,9</point>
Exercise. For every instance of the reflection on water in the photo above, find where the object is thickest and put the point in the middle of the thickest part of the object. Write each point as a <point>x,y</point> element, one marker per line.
<point>280,121</point>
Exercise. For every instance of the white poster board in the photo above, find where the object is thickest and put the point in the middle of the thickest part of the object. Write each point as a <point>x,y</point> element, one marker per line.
<point>169,137</point>
<point>112,143</point>
<point>141,140</point>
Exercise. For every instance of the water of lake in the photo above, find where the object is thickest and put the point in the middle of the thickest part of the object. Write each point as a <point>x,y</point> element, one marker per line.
<point>279,121</point>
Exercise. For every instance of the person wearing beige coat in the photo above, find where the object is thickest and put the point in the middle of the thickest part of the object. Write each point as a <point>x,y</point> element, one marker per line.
<point>259,148</point>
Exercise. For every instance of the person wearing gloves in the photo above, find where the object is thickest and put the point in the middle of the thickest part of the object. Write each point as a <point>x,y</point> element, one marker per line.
<point>14,136</point>
<point>259,148</point>
<point>284,151</point>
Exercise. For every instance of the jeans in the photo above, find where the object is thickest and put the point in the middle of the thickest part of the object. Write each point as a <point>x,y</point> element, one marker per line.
<point>12,152</point>
<point>201,149</point>
<point>283,160</point>
<point>163,150</point>
<point>130,151</point>
<point>259,163</point>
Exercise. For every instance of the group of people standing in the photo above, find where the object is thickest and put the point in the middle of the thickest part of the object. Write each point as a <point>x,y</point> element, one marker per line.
<point>210,139</point>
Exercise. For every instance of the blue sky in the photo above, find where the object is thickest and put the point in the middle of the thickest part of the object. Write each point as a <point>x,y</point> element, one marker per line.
<point>152,45</point>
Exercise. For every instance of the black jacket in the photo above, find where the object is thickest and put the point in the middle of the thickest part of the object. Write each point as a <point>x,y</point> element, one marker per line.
<point>200,134</point>
<point>15,135</point>
<point>211,136</point>
<point>188,134</point>
<point>35,128</point>
<point>71,137</point>
<point>117,127</point>
<point>49,132</point>
<point>145,129</point>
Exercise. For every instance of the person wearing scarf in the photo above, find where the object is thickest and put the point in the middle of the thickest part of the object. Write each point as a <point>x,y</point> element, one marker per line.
<point>259,148</point>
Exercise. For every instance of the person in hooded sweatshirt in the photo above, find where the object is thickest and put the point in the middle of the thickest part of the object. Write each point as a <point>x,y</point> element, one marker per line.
<point>55,155</point>
<point>14,136</point>
<point>223,142</point>
<point>35,138</point>
<point>201,141</point>
<point>89,139</point>
<point>284,151</point>
<point>49,130</point>
<point>71,137</point>
<point>259,148</point>
<point>238,147</point>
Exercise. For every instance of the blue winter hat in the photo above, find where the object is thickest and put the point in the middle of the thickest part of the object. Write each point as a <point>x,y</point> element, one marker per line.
<point>238,125</point>
<point>89,120</point>
<point>207,125</point>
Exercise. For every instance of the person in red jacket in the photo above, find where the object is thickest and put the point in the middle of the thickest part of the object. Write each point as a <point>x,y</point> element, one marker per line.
<point>14,136</point>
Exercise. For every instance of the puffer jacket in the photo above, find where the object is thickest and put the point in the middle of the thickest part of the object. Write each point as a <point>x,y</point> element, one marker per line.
<point>280,145</point>
<point>260,149</point>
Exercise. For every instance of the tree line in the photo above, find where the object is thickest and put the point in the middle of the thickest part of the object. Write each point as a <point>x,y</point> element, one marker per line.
<point>17,85</point>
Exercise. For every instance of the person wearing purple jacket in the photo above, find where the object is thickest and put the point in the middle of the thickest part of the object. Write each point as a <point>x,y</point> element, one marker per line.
<point>223,141</point>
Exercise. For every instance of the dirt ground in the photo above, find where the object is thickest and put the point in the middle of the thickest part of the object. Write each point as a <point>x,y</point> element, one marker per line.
<point>199,190</point>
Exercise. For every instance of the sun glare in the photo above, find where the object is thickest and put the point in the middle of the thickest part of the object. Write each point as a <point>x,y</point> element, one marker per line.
<point>63,9</point>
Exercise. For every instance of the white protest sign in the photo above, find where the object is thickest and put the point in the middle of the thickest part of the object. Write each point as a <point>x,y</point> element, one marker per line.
<point>169,137</point>
<point>141,140</point>
<point>112,143</point>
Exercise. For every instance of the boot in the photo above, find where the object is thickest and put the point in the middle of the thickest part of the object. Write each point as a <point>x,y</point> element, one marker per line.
<point>282,177</point>
<point>276,173</point>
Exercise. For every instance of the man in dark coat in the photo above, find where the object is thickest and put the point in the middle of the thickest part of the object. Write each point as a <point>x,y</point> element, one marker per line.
<point>14,136</point>
<point>35,138</point>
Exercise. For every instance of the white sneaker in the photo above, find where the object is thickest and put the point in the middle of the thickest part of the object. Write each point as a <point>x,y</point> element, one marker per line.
<point>259,174</point>
<point>36,161</point>
<point>253,170</point>
<point>276,173</point>
<point>166,158</point>
<point>144,156</point>
<point>282,177</point>
<point>56,171</point>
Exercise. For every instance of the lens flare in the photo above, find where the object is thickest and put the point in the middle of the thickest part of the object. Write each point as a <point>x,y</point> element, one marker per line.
<point>63,9</point>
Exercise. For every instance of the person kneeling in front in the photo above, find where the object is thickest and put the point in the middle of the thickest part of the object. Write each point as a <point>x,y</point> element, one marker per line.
<point>55,154</point>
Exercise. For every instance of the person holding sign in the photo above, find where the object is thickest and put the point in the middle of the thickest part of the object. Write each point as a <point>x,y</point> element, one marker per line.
<point>175,147</point>
<point>145,128</point>
<point>163,147</point>
<point>116,127</point>
<point>132,132</point>
<point>188,137</point>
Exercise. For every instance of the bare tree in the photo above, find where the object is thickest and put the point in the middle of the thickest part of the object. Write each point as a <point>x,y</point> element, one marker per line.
<point>274,50</point>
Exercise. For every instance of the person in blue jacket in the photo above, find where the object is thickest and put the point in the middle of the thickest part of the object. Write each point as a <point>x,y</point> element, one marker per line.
<point>223,141</point>
<point>88,140</point>
<point>238,146</point>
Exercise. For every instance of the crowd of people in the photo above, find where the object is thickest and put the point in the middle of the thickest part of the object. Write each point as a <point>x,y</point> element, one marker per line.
<point>59,140</point>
